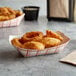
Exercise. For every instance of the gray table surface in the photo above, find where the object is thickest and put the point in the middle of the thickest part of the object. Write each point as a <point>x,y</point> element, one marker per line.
<point>13,64</point>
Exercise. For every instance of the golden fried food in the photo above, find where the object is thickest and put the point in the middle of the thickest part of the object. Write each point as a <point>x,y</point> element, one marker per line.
<point>32,36</point>
<point>4,18</point>
<point>18,13</point>
<point>0,14</point>
<point>16,42</point>
<point>50,33</point>
<point>34,45</point>
<point>12,16</point>
<point>10,10</point>
<point>7,13</point>
<point>50,42</point>
<point>4,11</point>
<point>37,40</point>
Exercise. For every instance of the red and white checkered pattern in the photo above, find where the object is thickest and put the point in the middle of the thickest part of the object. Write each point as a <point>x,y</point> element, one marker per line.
<point>12,22</point>
<point>32,52</point>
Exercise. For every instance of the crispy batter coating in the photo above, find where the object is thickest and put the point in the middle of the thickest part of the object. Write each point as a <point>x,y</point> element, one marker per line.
<point>16,42</point>
<point>50,33</point>
<point>37,40</point>
<point>32,36</point>
<point>50,42</point>
<point>7,13</point>
<point>10,10</point>
<point>4,11</point>
<point>18,13</point>
<point>4,18</point>
<point>12,16</point>
<point>34,45</point>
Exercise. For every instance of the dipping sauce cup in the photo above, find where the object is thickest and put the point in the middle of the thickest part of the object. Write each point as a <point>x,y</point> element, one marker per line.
<point>31,12</point>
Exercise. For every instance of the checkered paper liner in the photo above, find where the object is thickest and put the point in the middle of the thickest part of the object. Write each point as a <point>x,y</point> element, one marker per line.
<point>13,22</point>
<point>51,50</point>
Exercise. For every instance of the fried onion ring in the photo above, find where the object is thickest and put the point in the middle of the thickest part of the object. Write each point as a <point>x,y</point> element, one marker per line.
<point>17,43</point>
<point>37,40</point>
<point>34,45</point>
<point>32,36</point>
<point>50,33</point>
<point>50,42</point>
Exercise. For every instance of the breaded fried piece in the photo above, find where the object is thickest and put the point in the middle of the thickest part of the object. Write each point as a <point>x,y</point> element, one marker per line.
<point>4,18</point>
<point>50,42</point>
<point>4,11</point>
<point>34,45</point>
<point>1,14</point>
<point>18,13</point>
<point>32,36</point>
<point>50,33</point>
<point>10,10</point>
<point>11,16</point>
<point>7,13</point>
<point>17,43</point>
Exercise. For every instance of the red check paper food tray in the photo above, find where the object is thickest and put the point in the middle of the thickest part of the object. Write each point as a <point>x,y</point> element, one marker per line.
<point>13,22</point>
<point>32,52</point>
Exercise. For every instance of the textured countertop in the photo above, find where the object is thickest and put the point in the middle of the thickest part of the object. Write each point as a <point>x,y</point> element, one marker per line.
<point>13,64</point>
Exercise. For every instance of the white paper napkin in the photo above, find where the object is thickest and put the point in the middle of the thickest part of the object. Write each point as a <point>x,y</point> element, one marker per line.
<point>70,58</point>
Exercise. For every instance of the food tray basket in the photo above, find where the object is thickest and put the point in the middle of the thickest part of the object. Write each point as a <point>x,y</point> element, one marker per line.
<point>13,22</point>
<point>32,52</point>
